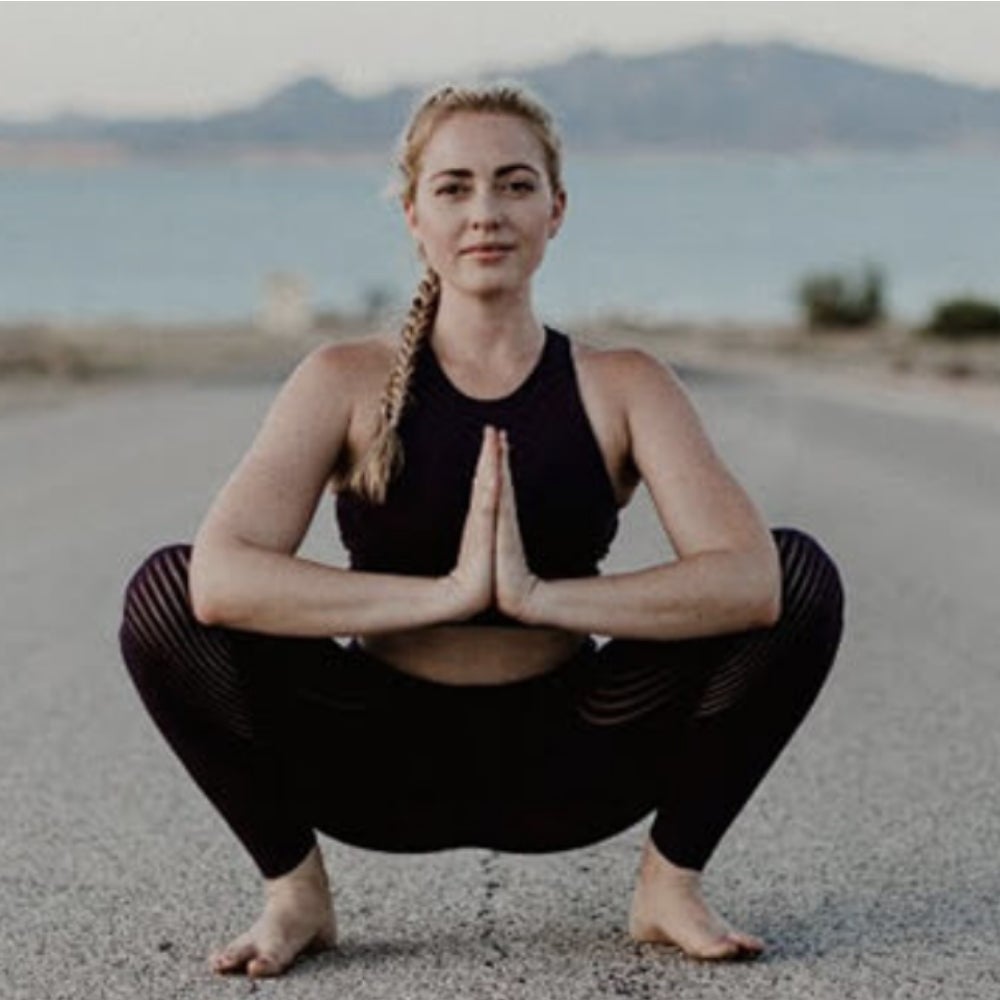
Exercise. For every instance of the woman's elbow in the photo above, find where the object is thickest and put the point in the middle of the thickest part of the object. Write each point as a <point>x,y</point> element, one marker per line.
<point>765,604</point>
<point>206,605</point>
<point>208,611</point>
<point>212,602</point>
<point>767,610</point>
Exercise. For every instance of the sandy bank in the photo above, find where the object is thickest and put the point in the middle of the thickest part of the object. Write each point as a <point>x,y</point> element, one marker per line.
<point>43,364</point>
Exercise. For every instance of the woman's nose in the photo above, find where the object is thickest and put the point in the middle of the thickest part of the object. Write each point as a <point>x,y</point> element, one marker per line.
<point>486,211</point>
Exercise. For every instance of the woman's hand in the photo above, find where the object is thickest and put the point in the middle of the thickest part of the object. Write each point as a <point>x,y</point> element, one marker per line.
<point>472,580</point>
<point>514,581</point>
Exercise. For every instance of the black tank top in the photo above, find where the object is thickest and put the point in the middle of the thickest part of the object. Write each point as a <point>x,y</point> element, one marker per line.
<point>567,509</point>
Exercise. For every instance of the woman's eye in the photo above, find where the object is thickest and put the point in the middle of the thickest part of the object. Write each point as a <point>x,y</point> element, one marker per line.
<point>451,190</point>
<point>521,187</point>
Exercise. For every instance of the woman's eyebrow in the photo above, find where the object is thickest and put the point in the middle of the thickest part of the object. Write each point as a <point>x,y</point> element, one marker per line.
<point>511,167</point>
<point>452,172</point>
<point>464,172</point>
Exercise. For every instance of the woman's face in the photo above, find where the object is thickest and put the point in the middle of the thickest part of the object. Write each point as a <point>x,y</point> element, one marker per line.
<point>484,209</point>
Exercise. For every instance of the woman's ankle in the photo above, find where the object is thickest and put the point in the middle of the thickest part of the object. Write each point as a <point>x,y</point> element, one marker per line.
<point>655,862</point>
<point>309,875</point>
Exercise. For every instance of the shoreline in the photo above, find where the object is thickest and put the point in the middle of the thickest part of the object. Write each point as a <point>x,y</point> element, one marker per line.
<point>50,364</point>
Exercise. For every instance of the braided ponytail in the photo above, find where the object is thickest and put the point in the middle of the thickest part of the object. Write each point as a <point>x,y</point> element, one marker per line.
<point>371,476</point>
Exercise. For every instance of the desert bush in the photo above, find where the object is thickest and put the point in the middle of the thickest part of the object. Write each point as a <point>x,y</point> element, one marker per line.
<point>964,318</point>
<point>854,299</point>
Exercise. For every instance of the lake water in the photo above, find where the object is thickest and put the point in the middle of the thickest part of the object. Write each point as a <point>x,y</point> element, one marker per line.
<point>683,238</point>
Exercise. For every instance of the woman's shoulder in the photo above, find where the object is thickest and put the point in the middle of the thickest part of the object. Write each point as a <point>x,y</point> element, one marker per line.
<point>349,369</point>
<point>356,358</point>
<point>621,369</point>
<point>623,389</point>
<point>336,380</point>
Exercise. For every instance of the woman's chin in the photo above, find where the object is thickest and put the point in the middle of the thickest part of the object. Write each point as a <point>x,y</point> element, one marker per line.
<point>496,284</point>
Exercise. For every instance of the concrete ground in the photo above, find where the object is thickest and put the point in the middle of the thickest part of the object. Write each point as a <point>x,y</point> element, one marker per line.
<point>869,859</point>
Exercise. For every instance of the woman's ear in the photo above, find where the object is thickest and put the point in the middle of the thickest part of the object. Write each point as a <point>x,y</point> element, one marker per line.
<point>558,212</point>
<point>410,215</point>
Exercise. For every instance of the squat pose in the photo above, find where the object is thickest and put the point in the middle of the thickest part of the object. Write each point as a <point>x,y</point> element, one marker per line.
<point>479,462</point>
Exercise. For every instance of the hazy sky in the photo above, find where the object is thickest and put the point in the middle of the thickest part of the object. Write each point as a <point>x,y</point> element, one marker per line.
<point>189,58</point>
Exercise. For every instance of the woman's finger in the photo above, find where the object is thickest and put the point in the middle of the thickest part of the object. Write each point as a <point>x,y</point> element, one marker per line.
<point>508,530</point>
<point>486,481</point>
<point>504,473</point>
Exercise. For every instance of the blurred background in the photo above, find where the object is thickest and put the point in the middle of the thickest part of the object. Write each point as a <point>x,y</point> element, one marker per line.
<point>760,165</point>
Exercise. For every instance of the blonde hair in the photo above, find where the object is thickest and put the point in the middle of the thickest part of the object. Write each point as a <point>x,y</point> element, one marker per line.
<point>371,476</point>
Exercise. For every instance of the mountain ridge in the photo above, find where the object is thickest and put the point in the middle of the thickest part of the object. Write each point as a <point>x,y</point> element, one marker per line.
<point>717,96</point>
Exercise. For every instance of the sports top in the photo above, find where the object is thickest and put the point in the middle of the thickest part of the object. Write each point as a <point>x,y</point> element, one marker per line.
<point>566,504</point>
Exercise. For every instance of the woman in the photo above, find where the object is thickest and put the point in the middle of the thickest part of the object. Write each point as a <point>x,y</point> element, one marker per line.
<point>480,461</point>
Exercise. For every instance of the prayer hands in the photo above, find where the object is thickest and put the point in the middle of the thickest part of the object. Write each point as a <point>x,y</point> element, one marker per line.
<point>492,569</point>
<point>512,579</point>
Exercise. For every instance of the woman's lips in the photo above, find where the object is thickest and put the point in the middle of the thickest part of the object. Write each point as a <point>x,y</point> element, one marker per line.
<point>487,251</point>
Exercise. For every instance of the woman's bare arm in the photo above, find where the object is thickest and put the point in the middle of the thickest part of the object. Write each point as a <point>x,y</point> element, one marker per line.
<point>726,575</point>
<point>244,571</point>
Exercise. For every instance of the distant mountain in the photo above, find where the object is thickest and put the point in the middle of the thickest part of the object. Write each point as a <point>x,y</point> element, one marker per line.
<point>712,97</point>
<point>772,96</point>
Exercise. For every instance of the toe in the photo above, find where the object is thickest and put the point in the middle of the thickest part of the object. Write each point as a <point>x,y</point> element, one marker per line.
<point>264,965</point>
<point>733,947</point>
<point>715,951</point>
<point>234,957</point>
<point>750,946</point>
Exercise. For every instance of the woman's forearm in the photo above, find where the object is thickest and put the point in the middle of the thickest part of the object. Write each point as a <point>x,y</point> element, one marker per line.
<point>249,588</point>
<point>711,593</point>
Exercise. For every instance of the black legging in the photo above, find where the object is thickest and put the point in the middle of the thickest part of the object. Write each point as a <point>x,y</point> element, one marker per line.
<point>287,735</point>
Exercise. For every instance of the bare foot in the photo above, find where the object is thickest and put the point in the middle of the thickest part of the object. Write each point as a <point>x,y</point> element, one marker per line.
<point>298,918</point>
<point>668,907</point>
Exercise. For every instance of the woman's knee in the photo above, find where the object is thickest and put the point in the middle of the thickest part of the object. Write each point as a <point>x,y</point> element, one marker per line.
<point>812,590</point>
<point>157,605</point>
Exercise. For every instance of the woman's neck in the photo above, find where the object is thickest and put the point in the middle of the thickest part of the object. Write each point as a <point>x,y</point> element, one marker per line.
<point>477,332</point>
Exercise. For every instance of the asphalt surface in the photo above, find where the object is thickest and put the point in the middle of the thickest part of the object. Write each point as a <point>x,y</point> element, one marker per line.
<point>869,859</point>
